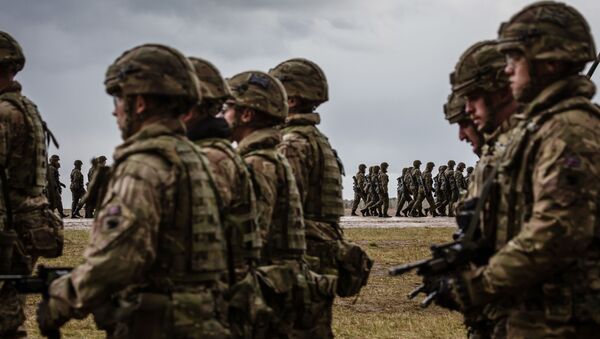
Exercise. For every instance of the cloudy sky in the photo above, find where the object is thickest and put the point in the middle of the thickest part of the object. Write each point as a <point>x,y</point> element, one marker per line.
<point>387,62</point>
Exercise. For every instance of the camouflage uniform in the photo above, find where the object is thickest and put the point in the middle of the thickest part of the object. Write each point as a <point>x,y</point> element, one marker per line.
<point>547,184</point>
<point>236,191</point>
<point>470,170</point>
<point>401,194</point>
<point>383,190</point>
<point>156,255</point>
<point>54,186</point>
<point>368,192</point>
<point>375,201</point>
<point>359,188</point>
<point>440,190</point>
<point>77,189</point>
<point>427,181</point>
<point>415,207</point>
<point>407,179</point>
<point>318,171</point>
<point>459,179</point>
<point>452,188</point>
<point>28,228</point>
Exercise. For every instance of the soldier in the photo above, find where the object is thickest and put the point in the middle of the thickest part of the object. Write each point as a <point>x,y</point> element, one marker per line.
<point>452,188</point>
<point>77,189</point>
<point>427,180</point>
<point>375,201</point>
<point>359,188</point>
<point>459,179</point>
<point>156,256</point>
<point>403,195</point>
<point>260,106</point>
<point>317,168</point>
<point>368,192</point>
<point>548,184</point>
<point>234,183</point>
<point>468,176</point>
<point>97,181</point>
<point>28,228</point>
<point>383,190</point>
<point>408,186</point>
<point>441,187</point>
<point>415,207</point>
<point>54,186</point>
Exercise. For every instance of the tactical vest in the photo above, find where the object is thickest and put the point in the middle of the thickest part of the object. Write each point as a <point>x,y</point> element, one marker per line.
<point>571,293</point>
<point>29,175</point>
<point>190,246</point>
<point>286,238</point>
<point>244,215</point>
<point>324,193</point>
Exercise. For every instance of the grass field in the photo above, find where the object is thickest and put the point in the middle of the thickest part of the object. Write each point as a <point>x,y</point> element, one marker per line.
<point>381,310</point>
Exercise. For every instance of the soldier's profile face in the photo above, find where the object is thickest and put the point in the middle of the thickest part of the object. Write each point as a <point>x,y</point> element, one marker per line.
<point>477,109</point>
<point>119,112</point>
<point>467,132</point>
<point>517,69</point>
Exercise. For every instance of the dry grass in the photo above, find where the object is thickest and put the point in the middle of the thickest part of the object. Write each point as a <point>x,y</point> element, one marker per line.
<point>381,311</point>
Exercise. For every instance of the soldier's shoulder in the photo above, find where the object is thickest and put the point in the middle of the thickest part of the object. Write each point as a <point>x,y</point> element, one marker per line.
<point>572,126</point>
<point>10,112</point>
<point>145,166</point>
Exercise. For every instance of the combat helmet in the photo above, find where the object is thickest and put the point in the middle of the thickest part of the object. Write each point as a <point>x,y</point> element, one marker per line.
<point>451,163</point>
<point>260,91</point>
<point>11,52</point>
<point>302,78</point>
<point>454,109</point>
<point>548,30</point>
<point>153,69</point>
<point>78,163</point>
<point>460,166</point>
<point>212,84</point>
<point>417,163</point>
<point>384,165</point>
<point>54,157</point>
<point>362,167</point>
<point>480,67</point>
<point>430,165</point>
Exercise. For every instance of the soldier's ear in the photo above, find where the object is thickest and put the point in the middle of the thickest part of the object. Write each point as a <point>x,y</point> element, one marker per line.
<point>247,115</point>
<point>140,104</point>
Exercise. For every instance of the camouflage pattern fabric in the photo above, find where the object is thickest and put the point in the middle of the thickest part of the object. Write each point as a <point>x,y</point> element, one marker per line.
<point>359,191</point>
<point>77,190</point>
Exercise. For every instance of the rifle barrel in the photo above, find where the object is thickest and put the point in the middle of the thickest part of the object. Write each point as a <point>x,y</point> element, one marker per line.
<point>401,269</point>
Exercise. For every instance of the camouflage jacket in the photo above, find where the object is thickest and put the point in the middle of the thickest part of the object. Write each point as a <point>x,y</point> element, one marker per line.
<point>384,180</point>
<point>77,181</point>
<point>459,180</point>
<point>159,199</point>
<point>427,182</point>
<point>408,182</point>
<point>547,203</point>
<point>360,182</point>
<point>278,201</point>
<point>450,180</point>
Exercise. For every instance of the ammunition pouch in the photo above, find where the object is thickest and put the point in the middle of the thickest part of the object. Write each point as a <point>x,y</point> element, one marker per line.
<point>41,232</point>
<point>249,314</point>
<point>186,314</point>
<point>354,268</point>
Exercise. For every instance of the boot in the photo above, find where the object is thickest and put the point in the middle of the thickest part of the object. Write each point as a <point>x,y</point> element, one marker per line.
<point>354,213</point>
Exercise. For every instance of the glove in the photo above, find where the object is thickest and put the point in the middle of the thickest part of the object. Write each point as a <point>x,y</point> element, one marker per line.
<point>49,319</point>
<point>463,291</point>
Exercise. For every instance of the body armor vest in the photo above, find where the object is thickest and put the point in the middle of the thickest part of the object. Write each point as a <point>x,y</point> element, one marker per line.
<point>190,246</point>
<point>242,215</point>
<point>29,174</point>
<point>324,192</point>
<point>286,238</point>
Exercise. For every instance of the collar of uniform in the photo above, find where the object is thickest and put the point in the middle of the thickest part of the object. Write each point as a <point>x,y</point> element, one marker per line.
<point>155,129</point>
<point>573,86</point>
<point>302,119</point>
<point>260,139</point>
<point>506,125</point>
<point>15,86</point>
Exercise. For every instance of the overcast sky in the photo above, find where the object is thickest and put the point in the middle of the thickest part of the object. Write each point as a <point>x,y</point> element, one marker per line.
<point>387,62</point>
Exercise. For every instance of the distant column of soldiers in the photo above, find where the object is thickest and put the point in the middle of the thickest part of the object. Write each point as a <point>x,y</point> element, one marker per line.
<point>80,197</point>
<point>413,187</point>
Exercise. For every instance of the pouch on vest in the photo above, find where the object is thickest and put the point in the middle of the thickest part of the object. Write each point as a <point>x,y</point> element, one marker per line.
<point>249,314</point>
<point>42,233</point>
<point>354,266</point>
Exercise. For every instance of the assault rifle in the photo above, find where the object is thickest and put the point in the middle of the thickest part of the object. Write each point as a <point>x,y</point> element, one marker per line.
<point>37,284</point>
<point>449,257</point>
<point>593,67</point>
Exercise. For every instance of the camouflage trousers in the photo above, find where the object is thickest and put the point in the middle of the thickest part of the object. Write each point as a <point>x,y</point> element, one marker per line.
<point>416,206</point>
<point>403,198</point>
<point>12,314</point>
<point>385,203</point>
<point>357,197</point>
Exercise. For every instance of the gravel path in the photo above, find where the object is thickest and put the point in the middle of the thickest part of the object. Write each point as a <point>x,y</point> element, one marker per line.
<point>346,222</point>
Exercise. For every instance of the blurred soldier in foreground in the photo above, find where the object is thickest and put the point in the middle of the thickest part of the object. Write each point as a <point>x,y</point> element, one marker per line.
<point>28,228</point>
<point>234,184</point>
<point>54,186</point>
<point>77,189</point>
<point>549,176</point>
<point>454,111</point>
<point>156,255</point>
<point>359,188</point>
<point>318,171</point>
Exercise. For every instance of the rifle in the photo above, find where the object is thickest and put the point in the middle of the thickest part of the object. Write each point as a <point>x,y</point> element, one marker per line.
<point>37,284</point>
<point>469,246</point>
<point>593,67</point>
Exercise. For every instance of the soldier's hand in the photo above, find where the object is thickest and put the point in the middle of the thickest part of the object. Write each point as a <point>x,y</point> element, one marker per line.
<point>49,317</point>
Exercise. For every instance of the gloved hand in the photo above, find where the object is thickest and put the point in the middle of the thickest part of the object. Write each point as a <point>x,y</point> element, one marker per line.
<point>463,291</point>
<point>49,317</point>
